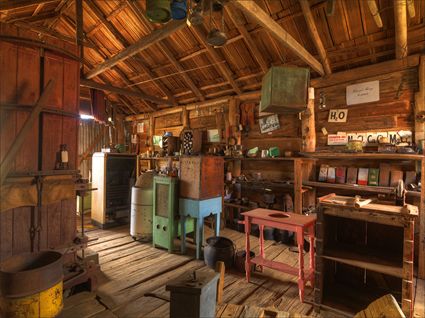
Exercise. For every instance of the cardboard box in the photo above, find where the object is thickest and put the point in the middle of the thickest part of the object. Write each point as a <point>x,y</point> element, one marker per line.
<point>340,174</point>
<point>331,175</point>
<point>323,173</point>
<point>373,177</point>
<point>396,175</point>
<point>363,176</point>
<point>352,175</point>
<point>384,174</point>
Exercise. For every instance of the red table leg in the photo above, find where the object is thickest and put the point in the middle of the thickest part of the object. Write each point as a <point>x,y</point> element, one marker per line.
<point>300,241</point>
<point>312,265</point>
<point>247,247</point>
<point>262,254</point>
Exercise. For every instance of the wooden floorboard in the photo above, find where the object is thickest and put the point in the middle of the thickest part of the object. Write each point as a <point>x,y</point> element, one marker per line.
<point>134,276</point>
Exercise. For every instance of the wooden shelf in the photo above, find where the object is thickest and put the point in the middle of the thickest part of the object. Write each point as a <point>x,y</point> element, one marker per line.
<point>160,158</point>
<point>358,188</point>
<point>267,159</point>
<point>362,155</point>
<point>376,261</point>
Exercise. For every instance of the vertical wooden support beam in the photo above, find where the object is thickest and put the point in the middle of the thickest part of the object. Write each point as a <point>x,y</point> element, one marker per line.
<point>420,138</point>
<point>185,118</point>
<point>220,268</point>
<point>400,17</point>
<point>80,32</point>
<point>308,125</point>
<point>407,298</point>
<point>151,130</point>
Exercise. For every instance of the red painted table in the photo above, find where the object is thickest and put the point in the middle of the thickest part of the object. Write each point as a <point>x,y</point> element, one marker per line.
<point>298,223</point>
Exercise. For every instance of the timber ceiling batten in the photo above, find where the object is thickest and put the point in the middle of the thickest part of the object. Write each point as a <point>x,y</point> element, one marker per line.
<point>15,4</point>
<point>314,33</point>
<point>252,9</point>
<point>199,34</point>
<point>140,45</point>
<point>255,52</point>
<point>165,49</point>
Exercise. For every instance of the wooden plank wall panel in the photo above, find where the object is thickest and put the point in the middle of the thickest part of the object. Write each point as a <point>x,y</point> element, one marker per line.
<point>392,112</point>
<point>20,72</point>
<point>28,89</point>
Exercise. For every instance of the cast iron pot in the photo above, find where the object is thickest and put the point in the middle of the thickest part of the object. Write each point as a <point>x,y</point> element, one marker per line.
<point>219,248</point>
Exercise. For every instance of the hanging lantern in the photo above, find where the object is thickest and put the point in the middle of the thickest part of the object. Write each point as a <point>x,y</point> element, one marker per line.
<point>195,12</point>
<point>158,11</point>
<point>216,37</point>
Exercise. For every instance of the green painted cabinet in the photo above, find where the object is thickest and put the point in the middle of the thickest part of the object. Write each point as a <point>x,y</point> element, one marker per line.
<point>165,213</point>
<point>284,90</point>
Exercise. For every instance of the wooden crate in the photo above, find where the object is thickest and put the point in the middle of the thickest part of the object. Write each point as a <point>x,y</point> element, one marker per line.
<point>284,90</point>
<point>201,177</point>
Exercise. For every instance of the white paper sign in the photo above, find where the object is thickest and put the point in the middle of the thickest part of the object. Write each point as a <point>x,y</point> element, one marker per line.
<point>362,93</point>
<point>338,115</point>
<point>372,138</point>
<point>339,139</point>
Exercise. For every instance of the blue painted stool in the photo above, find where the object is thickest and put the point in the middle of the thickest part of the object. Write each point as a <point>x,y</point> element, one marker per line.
<point>198,209</point>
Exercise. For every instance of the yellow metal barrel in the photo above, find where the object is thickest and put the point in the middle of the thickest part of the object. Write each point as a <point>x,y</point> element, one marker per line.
<point>31,285</point>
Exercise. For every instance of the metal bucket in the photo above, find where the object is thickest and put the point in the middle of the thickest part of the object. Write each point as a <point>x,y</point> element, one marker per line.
<point>31,285</point>
<point>141,213</point>
<point>158,11</point>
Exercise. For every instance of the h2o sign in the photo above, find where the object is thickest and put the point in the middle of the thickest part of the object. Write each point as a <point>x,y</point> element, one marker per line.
<point>338,115</point>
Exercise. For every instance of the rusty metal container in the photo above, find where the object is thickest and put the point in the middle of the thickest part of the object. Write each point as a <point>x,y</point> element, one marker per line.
<point>31,285</point>
<point>285,90</point>
<point>201,177</point>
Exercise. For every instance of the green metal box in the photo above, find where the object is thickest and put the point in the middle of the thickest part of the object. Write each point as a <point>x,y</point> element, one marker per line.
<point>285,90</point>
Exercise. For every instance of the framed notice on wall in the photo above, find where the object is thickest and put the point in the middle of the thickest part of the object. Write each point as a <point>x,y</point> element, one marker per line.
<point>362,93</point>
<point>269,123</point>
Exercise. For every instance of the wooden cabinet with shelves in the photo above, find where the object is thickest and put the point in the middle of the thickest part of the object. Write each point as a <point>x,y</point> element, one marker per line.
<point>349,256</point>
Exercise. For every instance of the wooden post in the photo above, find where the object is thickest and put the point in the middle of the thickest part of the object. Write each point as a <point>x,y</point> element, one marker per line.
<point>10,157</point>
<point>308,125</point>
<point>220,268</point>
<point>185,118</point>
<point>400,17</point>
<point>420,138</point>
<point>151,131</point>
<point>80,32</point>
<point>298,183</point>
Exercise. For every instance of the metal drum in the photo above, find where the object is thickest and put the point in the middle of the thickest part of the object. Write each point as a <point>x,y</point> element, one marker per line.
<point>141,213</point>
<point>31,285</point>
<point>158,11</point>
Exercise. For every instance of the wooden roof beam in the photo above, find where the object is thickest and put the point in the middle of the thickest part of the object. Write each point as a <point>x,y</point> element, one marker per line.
<point>201,37</point>
<point>400,17</point>
<point>141,16</point>
<point>122,91</point>
<point>140,45</point>
<point>373,7</point>
<point>255,52</point>
<point>99,14</point>
<point>314,34</point>
<point>16,4</point>
<point>253,10</point>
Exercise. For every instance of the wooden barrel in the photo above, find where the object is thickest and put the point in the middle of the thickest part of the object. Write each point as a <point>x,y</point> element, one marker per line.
<point>31,285</point>
<point>158,11</point>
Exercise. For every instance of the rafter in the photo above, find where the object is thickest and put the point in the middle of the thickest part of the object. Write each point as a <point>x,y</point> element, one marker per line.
<point>167,51</point>
<point>71,25</point>
<point>255,52</point>
<point>314,34</point>
<point>373,7</point>
<point>122,91</point>
<point>38,9</point>
<point>253,10</point>
<point>16,4</point>
<point>140,45</point>
<point>99,14</point>
<point>200,36</point>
